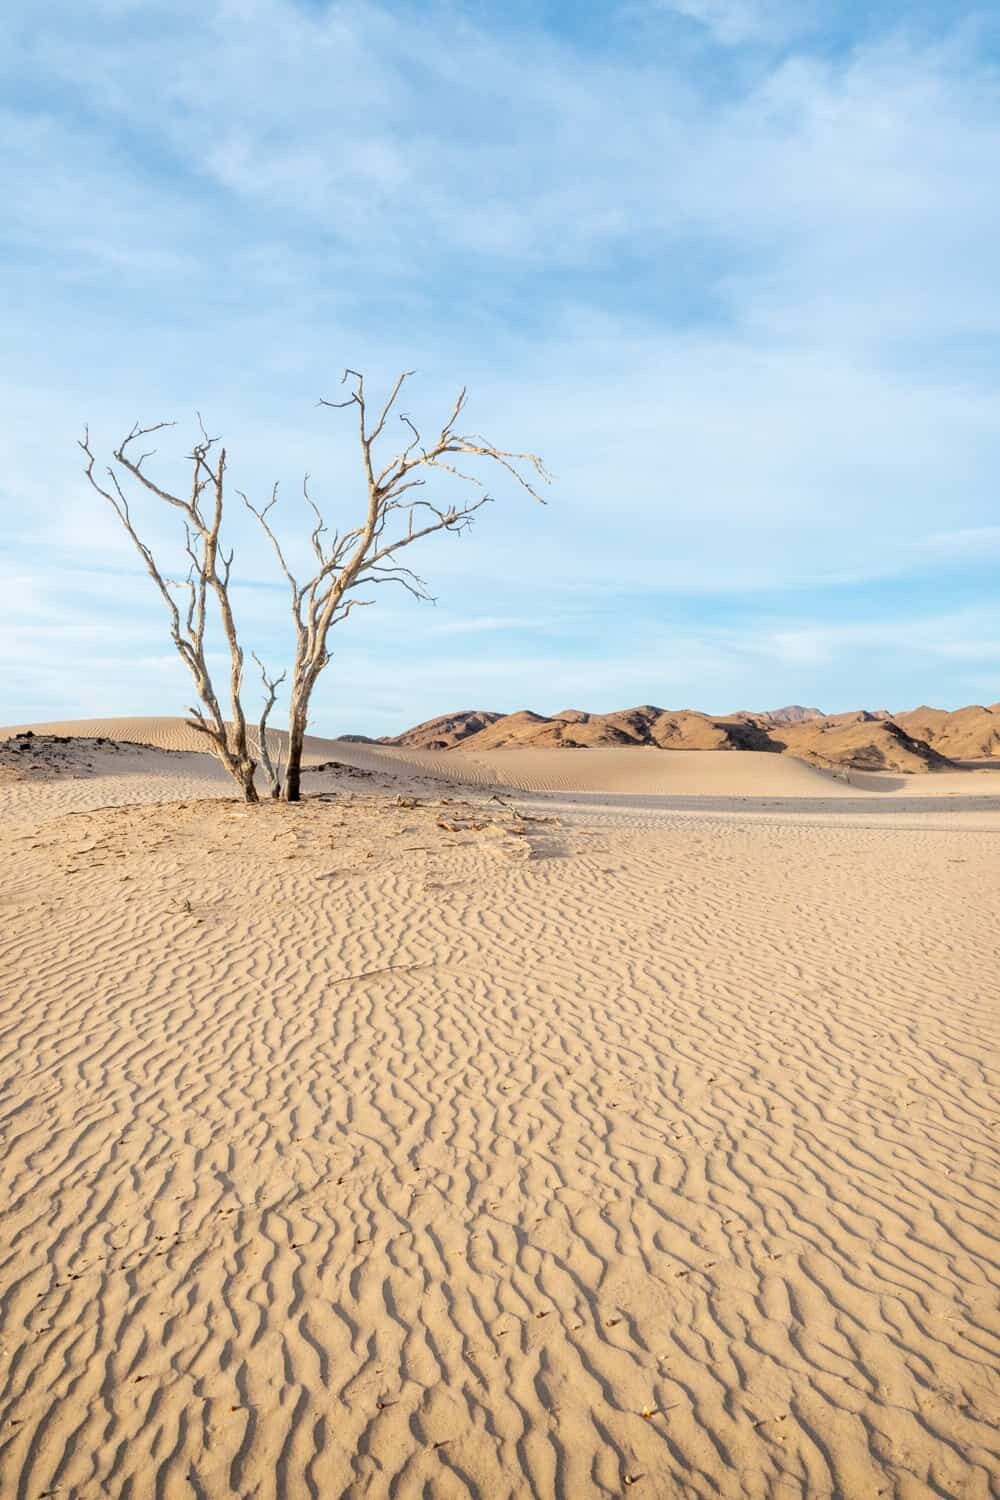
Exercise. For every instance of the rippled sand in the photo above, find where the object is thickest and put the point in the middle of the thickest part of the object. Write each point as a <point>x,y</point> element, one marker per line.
<point>393,1144</point>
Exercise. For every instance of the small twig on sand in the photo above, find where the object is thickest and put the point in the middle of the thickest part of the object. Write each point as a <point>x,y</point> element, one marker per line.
<point>516,812</point>
<point>389,969</point>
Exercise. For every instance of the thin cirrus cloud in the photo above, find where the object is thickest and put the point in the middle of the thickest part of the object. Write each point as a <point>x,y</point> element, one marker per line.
<point>741,297</point>
<point>736,22</point>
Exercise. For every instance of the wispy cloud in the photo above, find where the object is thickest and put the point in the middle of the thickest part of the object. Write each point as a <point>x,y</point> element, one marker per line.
<point>735,22</point>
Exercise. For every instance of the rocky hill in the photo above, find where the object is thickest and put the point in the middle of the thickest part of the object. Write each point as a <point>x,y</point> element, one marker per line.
<point>971,733</point>
<point>862,740</point>
<point>574,729</point>
<point>792,713</point>
<point>444,732</point>
<point>860,743</point>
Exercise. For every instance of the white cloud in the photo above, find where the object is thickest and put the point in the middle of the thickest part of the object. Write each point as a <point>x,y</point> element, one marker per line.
<point>966,635</point>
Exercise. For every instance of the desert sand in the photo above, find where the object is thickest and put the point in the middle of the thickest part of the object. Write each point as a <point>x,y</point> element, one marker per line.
<point>629,1129</point>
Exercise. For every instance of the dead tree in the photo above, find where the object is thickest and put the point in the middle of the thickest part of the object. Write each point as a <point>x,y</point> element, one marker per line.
<point>364,556</point>
<point>188,600</point>
<point>270,757</point>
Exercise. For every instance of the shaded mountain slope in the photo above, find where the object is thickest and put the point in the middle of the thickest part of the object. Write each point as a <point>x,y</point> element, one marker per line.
<point>971,733</point>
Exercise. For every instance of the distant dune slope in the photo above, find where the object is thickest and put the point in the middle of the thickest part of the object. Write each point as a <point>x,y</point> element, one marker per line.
<point>162,732</point>
<point>619,769</point>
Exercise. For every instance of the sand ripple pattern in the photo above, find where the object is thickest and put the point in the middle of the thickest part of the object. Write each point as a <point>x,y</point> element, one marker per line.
<point>350,1155</point>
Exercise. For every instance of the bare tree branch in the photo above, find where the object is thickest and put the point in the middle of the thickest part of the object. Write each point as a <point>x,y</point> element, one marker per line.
<point>361,556</point>
<point>209,572</point>
<point>271,764</point>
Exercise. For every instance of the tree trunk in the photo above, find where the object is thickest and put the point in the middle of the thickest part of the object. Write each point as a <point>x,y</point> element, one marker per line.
<point>247,782</point>
<point>292,793</point>
<point>293,765</point>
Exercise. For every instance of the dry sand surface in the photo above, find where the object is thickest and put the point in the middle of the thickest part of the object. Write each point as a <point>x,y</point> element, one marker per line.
<point>408,1143</point>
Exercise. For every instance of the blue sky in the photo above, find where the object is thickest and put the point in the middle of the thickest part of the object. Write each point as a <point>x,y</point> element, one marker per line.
<point>728,265</point>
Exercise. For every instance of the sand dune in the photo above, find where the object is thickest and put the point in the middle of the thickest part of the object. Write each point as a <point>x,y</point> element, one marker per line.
<point>162,731</point>
<point>395,1144</point>
<point>642,771</point>
<point>695,773</point>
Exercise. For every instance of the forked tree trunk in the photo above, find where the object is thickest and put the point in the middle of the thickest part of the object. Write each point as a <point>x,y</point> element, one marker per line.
<point>241,768</point>
<point>247,783</point>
